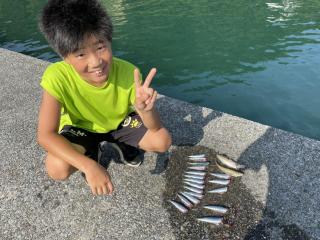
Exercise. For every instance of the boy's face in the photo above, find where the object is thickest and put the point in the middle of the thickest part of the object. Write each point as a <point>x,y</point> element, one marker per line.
<point>92,61</point>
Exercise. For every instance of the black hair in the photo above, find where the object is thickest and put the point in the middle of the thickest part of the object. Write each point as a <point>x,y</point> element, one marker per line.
<point>66,24</point>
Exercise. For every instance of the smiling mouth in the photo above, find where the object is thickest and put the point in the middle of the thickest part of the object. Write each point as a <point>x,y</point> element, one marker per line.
<point>99,72</point>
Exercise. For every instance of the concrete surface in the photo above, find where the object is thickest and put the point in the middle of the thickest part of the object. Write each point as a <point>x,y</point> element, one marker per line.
<point>277,198</point>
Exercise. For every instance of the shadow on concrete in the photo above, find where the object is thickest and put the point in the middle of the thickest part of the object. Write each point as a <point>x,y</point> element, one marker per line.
<point>292,186</point>
<point>184,120</point>
<point>185,123</point>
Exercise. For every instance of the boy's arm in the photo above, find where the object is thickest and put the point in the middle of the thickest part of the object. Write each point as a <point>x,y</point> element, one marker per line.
<point>151,119</point>
<point>57,145</point>
<point>145,99</point>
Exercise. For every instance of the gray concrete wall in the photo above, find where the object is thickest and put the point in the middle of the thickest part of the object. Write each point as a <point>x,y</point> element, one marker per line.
<point>277,198</point>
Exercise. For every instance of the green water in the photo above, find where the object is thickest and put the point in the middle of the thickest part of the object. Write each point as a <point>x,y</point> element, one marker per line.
<point>252,59</point>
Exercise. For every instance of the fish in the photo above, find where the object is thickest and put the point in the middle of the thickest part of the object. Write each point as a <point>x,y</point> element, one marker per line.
<point>211,219</point>
<point>229,163</point>
<point>179,206</point>
<point>193,189</point>
<point>199,163</point>
<point>185,201</point>
<point>195,185</point>
<point>191,198</point>
<point>216,208</point>
<point>197,195</point>
<point>231,172</point>
<point>198,181</point>
<point>221,175</point>
<point>218,190</point>
<point>199,173</point>
<point>198,160</point>
<point>194,176</point>
<point>220,181</point>
<point>197,156</point>
<point>200,168</point>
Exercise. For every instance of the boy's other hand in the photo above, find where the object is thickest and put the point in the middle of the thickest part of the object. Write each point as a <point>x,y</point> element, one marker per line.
<point>98,179</point>
<point>145,95</point>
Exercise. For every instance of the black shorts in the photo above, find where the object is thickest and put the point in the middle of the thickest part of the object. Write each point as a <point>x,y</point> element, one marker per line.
<point>130,131</point>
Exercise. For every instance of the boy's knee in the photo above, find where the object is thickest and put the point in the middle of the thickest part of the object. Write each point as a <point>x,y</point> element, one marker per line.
<point>57,170</point>
<point>159,141</point>
<point>164,143</point>
<point>58,175</point>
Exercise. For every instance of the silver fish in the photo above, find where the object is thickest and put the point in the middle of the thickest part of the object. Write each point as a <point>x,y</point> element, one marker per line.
<point>198,173</point>
<point>195,185</point>
<point>212,219</point>
<point>229,163</point>
<point>200,168</point>
<point>219,190</point>
<point>197,195</point>
<point>198,181</point>
<point>229,171</point>
<point>179,206</point>
<point>197,156</point>
<point>185,201</point>
<point>191,198</point>
<point>220,181</point>
<point>199,163</point>
<point>221,175</point>
<point>217,208</point>
<point>194,176</point>
<point>198,159</point>
<point>193,189</point>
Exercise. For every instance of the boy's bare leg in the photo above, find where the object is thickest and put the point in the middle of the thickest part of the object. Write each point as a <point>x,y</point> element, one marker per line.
<point>58,169</point>
<point>156,141</point>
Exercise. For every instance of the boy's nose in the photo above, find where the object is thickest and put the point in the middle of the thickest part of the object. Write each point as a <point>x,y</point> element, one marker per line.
<point>95,61</point>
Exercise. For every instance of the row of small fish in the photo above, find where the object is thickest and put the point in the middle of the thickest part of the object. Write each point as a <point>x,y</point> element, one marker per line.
<point>194,182</point>
<point>223,179</point>
<point>194,179</point>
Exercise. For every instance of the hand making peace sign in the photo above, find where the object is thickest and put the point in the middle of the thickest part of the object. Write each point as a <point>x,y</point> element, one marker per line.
<point>145,96</point>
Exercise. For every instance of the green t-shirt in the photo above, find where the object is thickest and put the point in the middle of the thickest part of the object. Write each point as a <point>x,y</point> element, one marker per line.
<point>96,109</point>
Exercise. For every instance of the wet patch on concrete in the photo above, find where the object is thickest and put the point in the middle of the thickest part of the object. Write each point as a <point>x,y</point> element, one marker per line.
<point>271,228</point>
<point>244,213</point>
<point>293,232</point>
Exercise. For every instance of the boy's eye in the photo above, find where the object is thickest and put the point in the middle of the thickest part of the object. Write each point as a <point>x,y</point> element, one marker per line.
<point>80,55</point>
<point>100,47</point>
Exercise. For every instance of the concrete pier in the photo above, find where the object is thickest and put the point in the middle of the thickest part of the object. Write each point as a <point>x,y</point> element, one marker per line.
<point>277,198</point>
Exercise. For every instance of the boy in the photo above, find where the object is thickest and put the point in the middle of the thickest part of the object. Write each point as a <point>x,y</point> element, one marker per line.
<point>91,96</point>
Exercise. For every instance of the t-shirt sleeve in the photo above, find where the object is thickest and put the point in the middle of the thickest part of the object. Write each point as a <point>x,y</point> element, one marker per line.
<point>51,83</point>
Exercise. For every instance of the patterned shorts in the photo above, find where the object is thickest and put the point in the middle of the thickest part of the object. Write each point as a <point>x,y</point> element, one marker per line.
<point>130,131</point>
